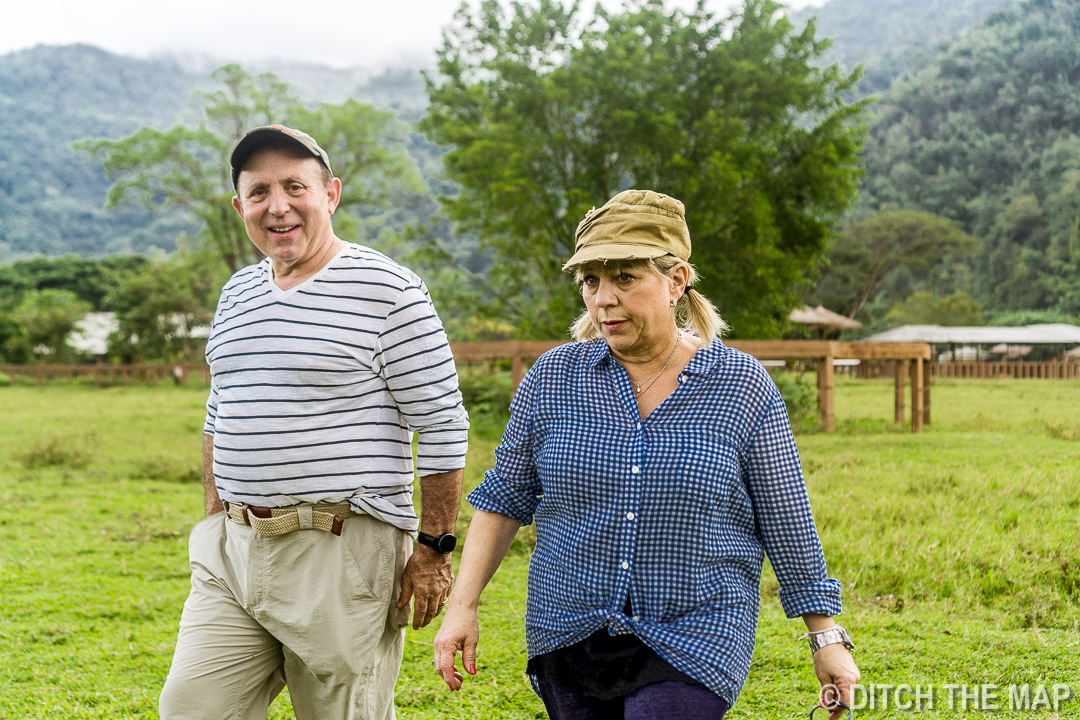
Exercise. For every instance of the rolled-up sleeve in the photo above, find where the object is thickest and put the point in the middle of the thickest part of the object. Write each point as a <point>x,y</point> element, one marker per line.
<point>418,367</point>
<point>512,487</point>
<point>785,521</point>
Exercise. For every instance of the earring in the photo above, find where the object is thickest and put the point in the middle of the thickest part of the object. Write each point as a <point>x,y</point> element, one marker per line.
<point>672,303</point>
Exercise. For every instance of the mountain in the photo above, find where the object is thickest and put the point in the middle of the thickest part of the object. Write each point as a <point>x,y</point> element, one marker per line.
<point>891,37</point>
<point>51,198</point>
<point>988,135</point>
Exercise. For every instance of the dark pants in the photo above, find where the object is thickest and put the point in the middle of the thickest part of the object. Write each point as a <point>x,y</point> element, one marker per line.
<point>658,701</point>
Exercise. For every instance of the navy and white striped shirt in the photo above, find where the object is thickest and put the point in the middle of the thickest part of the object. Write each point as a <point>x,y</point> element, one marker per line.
<point>674,512</point>
<point>316,390</point>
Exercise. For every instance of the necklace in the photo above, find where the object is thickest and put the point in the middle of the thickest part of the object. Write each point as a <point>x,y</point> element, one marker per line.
<point>649,383</point>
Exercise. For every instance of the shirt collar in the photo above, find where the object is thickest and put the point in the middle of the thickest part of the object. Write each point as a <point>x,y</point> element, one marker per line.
<point>702,363</point>
<point>705,360</point>
<point>598,352</point>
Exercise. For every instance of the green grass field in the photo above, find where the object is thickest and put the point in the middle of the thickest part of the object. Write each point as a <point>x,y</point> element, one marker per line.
<point>959,551</point>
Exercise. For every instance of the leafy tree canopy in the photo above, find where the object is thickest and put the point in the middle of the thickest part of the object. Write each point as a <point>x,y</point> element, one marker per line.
<point>922,308</point>
<point>45,318</point>
<point>187,166</point>
<point>868,251</point>
<point>90,280</point>
<point>161,309</point>
<point>549,114</point>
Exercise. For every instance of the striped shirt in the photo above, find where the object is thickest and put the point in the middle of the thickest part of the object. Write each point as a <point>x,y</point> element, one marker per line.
<point>674,512</point>
<point>316,391</point>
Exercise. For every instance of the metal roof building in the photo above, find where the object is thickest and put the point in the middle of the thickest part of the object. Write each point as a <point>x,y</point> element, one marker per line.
<point>1048,334</point>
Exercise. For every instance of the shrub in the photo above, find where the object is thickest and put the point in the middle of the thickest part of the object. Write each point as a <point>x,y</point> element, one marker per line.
<point>1062,430</point>
<point>162,468</point>
<point>484,391</point>
<point>800,397</point>
<point>73,453</point>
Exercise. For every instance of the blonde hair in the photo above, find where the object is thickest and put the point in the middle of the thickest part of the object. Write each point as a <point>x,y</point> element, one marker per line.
<point>694,311</point>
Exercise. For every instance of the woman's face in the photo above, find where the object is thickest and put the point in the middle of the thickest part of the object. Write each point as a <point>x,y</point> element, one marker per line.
<point>630,303</point>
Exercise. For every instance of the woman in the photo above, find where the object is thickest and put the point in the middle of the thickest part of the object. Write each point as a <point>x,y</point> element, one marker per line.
<point>659,466</point>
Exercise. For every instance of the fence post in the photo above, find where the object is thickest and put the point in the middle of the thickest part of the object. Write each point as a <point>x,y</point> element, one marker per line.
<point>917,395</point>
<point>928,380</point>
<point>826,393</point>
<point>517,370</point>
<point>900,368</point>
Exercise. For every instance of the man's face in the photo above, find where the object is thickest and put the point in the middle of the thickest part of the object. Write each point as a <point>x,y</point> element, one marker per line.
<point>286,207</point>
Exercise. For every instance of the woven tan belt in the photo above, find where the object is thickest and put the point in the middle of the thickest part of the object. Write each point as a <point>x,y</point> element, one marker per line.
<point>279,521</point>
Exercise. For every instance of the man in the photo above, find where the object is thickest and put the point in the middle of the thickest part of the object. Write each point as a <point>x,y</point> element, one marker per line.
<point>324,358</point>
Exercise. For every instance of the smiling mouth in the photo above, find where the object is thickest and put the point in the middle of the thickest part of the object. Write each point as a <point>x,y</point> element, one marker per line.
<point>283,229</point>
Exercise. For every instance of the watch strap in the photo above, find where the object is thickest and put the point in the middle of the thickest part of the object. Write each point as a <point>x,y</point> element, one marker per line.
<point>444,543</point>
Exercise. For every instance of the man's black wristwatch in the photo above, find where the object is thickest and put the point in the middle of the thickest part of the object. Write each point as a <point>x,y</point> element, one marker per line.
<point>444,543</point>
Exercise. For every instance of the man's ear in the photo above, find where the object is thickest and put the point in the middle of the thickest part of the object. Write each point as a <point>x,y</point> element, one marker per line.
<point>333,194</point>
<point>238,207</point>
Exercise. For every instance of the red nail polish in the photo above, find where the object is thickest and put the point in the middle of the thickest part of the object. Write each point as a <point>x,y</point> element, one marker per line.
<point>472,669</point>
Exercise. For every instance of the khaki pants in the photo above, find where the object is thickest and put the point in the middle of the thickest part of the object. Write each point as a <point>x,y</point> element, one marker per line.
<point>309,608</point>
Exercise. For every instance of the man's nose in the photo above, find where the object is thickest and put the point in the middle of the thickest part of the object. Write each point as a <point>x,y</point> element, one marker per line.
<point>279,202</point>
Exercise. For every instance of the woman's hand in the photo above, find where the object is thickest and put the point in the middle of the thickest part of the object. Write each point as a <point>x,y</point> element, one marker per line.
<point>834,666</point>
<point>460,631</point>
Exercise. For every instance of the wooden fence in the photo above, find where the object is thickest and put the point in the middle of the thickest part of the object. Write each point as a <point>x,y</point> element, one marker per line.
<point>978,370</point>
<point>1019,369</point>
<point>821,352</point>
<point>905,359</point>
<point>109,374</point>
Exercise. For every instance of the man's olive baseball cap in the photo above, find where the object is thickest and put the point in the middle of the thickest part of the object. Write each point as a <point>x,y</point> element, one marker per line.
<point>255,139</point>
<point>633,225</point>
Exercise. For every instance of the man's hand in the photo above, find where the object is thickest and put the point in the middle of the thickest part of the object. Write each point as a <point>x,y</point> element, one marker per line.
<point>428,577</point>
<point>834,666</point>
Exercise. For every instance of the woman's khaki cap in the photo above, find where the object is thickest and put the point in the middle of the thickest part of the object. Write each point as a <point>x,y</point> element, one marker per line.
<point>633,225</point>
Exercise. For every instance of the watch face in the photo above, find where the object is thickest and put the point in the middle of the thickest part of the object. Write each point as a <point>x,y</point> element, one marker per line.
<point>446,543</point>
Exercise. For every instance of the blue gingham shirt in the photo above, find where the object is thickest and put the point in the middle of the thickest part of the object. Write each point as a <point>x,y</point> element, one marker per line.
<point>675,511</point>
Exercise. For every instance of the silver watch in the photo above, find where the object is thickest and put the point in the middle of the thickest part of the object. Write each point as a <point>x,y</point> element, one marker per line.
<point>829,637</point>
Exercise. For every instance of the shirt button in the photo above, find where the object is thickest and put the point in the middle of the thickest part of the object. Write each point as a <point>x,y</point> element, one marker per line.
<point>629,516</point>
<point>639,426</point>
<point>682,378</point>
<point>635,469</point>
<point>625,565</point>
<point>635,618</point>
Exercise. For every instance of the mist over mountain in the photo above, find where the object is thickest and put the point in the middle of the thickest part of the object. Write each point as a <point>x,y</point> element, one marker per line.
<point>892,37</point>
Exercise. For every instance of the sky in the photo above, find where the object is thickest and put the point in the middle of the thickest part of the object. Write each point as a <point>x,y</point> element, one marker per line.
<point>340,33</point>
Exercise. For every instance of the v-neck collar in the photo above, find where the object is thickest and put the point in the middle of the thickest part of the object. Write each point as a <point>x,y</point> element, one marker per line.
<point>280,293</point>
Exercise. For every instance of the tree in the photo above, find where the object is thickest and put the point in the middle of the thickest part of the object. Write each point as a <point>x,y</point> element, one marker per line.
<point>45,319</point>
<point>160,310</point>
<point>922,308</point>
<point>867,251</point>
<point>90,279</point>
<point>188,166</point>
<point>548,115</point>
